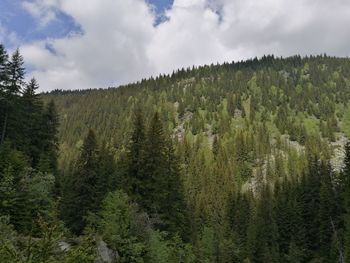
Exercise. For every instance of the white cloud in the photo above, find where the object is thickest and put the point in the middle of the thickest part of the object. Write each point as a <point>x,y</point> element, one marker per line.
<point>120,43</point>
<point>43,10</point>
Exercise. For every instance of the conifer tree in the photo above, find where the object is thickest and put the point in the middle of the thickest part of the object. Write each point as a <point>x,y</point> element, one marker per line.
<point>347,203</point>
<point>16,73</point>
<point>154,168</point>
<point>49,136</point>
<point>12,127</point>
<point>80,193</point>
<point>326,211</point>
<point>32,121</point>
<point>134,177</point>
<point>106,181</point>
<point>173,209</point>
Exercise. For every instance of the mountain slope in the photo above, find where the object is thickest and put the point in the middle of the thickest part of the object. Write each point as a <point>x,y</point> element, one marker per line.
<point>305,98</point>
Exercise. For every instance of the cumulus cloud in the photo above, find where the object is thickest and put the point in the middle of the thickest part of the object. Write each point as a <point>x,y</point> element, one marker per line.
<point>43,10</point>
<point>120,42</point>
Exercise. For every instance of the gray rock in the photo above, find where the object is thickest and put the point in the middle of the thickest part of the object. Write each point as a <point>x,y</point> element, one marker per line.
<point>64,246</point>
<point>105,254</point>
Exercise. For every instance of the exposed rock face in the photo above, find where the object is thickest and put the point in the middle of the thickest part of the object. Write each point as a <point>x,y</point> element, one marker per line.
<point>105,254</point>
<point>64,246</point>
<point>337,160</point>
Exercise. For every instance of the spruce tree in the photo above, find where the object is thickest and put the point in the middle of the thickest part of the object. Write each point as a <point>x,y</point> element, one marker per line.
<point>49,136</point>
<point>327,205</point>
<point>106,181</point>
<point>154,168</point>
<point>347,203</point>
<point>32,121</point>
<point>134,178</point>
<point>80,192</point>
<point>12,125</point>
<point>16,73</point>
<point>173,209</point>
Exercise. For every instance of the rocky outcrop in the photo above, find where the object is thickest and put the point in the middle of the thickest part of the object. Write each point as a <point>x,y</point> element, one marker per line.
<point>337,160</point>
<point>105,254</point>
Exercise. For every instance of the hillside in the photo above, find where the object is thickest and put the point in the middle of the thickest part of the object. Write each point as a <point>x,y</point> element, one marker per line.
<point>294,100</point>
<point>240,162</point>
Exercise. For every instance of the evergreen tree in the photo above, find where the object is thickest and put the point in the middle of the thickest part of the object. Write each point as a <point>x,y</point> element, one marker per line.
<point>173,209</point>
<point>154,169</point>
<point>49,136</point>
<point>80,193</point>
<point>106,181</point>
<point>326,212</point>
<point>347,203</point>
<point>16,73</point>
<point>134,176</point>
<point>32,121</point>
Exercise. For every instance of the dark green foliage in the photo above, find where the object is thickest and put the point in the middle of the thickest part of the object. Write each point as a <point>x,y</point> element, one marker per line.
<point>80,195</point>
<point>135,161</point>
<point>49,139</point>
<point>154,171</point>
<point>347,202</point>
<point>233,159</point>
<point>26,191</point>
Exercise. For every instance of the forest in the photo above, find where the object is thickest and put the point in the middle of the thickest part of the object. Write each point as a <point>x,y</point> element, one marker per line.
<point>240,162</point>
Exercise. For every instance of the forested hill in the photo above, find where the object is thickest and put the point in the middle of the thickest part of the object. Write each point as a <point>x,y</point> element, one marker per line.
<point>266,102</point>
<point>242,162</point>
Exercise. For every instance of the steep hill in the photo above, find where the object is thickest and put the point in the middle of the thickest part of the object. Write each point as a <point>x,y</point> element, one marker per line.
<point>240,162</point>
<point>269,100</point>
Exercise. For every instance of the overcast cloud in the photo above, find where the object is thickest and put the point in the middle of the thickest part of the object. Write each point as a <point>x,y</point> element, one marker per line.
<point>120,42</point>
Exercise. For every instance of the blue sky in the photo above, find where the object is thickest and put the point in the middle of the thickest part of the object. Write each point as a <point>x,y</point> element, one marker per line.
<point>14,18</point>
<point>161,4</point>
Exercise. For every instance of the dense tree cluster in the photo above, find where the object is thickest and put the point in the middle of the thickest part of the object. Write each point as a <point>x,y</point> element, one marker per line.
<point>221,163</point>
<point>28,147</point>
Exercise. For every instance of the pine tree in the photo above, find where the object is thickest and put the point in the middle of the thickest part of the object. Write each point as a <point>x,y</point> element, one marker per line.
<point>347,203</point>
<point>154,169</point>
<point>32,121</point>
<point>12,125</point>
<point>267,231</point>
<point>309,198</point>
<point>16,73</point>
<point>173,209</point>
<point>49,136</point>
<point>80,192</point>
<point>106,181</point>
<point>134,177</point>
<point>326,211</point>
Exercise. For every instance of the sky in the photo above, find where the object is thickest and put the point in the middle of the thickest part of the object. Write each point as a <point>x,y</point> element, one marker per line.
<point>81,44</point>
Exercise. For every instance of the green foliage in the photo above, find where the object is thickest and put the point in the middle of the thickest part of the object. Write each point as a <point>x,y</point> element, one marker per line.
<point>115,227</point>
<point>347,202</point>
<point>80,191</point>
<point>222,163</point>
<point>162,250</point>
